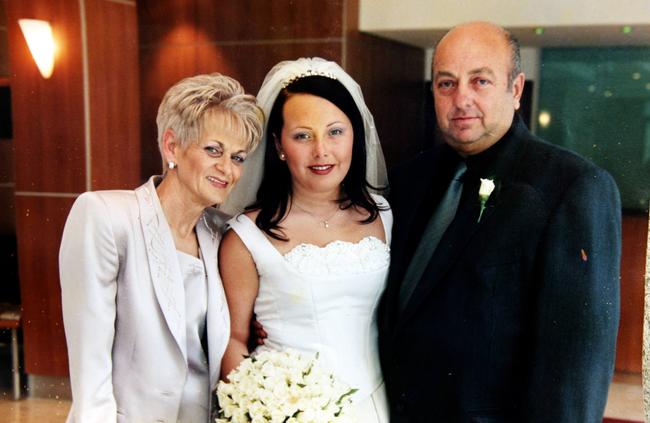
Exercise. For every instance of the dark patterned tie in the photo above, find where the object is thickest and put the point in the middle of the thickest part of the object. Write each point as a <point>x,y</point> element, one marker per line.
<point>436,227</point>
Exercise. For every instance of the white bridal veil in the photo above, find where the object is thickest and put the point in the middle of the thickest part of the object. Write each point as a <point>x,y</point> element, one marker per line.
<point>278,77</point>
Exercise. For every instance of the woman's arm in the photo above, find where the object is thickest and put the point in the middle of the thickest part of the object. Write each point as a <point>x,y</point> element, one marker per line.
<point>88,265</point>
<point>241,283</point>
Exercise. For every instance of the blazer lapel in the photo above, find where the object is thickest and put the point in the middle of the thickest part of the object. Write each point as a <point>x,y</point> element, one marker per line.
<point>163,263</point>
<point>218,319</point>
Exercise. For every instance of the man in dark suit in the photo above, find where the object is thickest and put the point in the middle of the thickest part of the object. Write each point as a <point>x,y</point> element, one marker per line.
<point>513,316</point>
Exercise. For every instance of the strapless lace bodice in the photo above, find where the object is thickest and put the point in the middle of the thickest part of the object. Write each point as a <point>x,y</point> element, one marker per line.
<point>339,257</point>
<point>324,299</point>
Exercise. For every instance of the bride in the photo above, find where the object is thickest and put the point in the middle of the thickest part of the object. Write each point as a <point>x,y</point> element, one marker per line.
<point>310,256</point>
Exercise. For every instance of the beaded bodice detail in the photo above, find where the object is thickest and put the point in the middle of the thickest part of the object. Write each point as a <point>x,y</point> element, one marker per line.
<point>339,257</point>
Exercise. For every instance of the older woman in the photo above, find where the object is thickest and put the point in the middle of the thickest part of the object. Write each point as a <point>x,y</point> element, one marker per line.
<point>145,316</point>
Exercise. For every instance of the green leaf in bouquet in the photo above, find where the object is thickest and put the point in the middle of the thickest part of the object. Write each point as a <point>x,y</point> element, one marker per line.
<point>347,394</point>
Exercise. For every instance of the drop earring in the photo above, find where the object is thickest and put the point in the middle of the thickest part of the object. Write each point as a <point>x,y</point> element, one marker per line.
<point>171,165</point>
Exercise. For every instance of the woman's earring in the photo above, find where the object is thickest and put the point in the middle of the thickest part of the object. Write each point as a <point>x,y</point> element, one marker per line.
<point>283,156</point>
<point>171,165</point>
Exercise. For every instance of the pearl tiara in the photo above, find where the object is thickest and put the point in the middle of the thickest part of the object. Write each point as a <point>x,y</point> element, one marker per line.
<point>308,72</point>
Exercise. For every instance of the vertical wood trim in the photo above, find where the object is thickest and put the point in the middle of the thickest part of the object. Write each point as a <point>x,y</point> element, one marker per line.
<point>344,35</point>
<point>86,93</point>
<point>629,343</point>
<point>645,365</point>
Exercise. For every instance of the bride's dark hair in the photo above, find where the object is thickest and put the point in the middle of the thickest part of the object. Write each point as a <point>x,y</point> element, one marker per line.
<point>275,189</point>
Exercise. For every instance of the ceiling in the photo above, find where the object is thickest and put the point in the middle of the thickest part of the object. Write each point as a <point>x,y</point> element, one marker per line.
<point>575,36</point>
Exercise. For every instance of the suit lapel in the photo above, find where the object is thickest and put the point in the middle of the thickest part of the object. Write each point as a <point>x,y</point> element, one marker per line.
<point>163,263</point>
<point>218,319</point>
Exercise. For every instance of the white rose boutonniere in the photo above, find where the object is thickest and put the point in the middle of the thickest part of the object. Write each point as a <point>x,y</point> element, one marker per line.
<point>484,192</point>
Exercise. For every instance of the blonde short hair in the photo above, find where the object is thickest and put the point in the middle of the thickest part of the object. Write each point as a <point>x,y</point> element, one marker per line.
<point>186,103</point>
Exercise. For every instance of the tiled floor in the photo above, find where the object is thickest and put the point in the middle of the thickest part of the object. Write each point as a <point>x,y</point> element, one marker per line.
<point>625,403</point>
<point>33,410</point>
<point>625,398</point>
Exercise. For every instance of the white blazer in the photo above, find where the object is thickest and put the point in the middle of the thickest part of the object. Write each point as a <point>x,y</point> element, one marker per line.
<point>124,307</point>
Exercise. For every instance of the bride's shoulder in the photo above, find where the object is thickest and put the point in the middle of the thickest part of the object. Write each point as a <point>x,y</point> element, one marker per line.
<point>252,214</point>
<point>380,200</point>
<point>385,213</point>
<point>242,218</point>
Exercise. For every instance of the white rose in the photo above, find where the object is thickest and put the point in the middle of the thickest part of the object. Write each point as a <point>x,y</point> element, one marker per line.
<point>487,186</point>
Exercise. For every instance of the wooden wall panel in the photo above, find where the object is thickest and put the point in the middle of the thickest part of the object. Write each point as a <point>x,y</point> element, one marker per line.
<point>114,94</point>
<point>50,135</point>
<point>4,45</point>
<point>7,210</point>
<point>48,127</point>
<point>160,68</point>
<point>270,20</point>
<point>39,224</point>
<point>3,12</point>
<point>7,206</point>
<point>241,39</point>
<point>391,76</point>
<point>6,161</point>
<point>630,334</point>
<point>159,21</point>
<point>243,20</point>
<point>259,59</point>
<point>7,214</point>
<point>48,123</point>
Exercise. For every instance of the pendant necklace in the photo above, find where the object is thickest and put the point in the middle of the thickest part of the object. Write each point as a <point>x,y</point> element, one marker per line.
<point>325,222</point>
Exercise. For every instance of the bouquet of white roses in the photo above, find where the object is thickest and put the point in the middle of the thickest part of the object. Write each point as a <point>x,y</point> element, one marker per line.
<point>282,386</point>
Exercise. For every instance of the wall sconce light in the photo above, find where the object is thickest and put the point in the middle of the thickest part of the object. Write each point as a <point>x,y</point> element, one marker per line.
<point>40,41</point>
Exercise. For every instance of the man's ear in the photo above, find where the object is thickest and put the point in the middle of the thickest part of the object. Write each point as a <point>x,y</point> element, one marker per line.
<point>170,145</point>
<point>518,89</point>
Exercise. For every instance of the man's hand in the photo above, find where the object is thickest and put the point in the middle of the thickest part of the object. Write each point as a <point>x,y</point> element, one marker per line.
<point>257,334</point>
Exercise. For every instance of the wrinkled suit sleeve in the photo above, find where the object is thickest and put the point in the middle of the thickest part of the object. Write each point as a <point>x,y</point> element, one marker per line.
<point>88,265</point>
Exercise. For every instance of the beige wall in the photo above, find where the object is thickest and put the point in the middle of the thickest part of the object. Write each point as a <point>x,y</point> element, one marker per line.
<point>440,14</point>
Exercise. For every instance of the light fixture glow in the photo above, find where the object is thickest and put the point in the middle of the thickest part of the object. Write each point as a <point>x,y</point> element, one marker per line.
<point>544,119</point>
<point>40,41</point>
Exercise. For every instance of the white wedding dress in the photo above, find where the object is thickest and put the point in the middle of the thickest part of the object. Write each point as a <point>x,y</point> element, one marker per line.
<point>324,299</point>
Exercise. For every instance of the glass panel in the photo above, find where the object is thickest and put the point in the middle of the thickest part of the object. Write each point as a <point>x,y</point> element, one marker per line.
<point>596,101</point>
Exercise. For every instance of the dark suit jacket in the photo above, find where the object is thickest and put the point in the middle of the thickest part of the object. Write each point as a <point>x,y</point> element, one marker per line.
<point>516,316</point>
